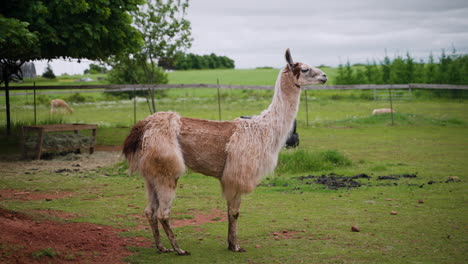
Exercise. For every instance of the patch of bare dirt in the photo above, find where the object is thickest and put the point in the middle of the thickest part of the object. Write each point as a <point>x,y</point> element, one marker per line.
<point>28,240</point>
<point>71,162</point>
<point>287,234</point>
<point>109,148</point>
<point>12,194</point>
<point>199,218</point>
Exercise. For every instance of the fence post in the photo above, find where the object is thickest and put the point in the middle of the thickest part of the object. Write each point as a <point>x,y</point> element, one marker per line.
<point>219,100</point>
<point>35,113</point>
<point>307,109</point>
<point>134,105</point>
<point>391,104</point>
<point>410,92</point>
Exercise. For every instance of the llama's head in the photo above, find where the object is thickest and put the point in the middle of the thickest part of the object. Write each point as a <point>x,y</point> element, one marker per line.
<point>303,73</point>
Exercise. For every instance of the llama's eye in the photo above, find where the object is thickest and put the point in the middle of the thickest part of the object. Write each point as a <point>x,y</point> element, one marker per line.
<point>304,70</point>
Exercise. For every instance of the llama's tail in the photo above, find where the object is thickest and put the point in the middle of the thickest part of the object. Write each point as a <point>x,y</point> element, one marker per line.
<point>133,143</point>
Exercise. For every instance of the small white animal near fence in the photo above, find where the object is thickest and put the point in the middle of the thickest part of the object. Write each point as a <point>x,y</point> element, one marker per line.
<point>59,104</point>
<point>383,111</point>
<point>238,153</point>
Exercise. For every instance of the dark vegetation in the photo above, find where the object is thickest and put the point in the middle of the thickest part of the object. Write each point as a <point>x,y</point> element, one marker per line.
<point>48,73</point>
<point>334,181</point>
<point>96,69</point>
<point>449,69</point>
<point>190,61</point>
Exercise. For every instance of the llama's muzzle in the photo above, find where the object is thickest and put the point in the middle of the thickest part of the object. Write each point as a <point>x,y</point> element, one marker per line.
<point>323,78</point>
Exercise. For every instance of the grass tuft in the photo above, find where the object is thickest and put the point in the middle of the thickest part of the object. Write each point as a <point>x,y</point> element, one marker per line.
<point>48,252</point>
<point>296,161</point>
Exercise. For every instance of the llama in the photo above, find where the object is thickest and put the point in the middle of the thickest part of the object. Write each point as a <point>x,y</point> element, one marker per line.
<point>382,111</point>
<point>238,153</point>
<point>59,103</point>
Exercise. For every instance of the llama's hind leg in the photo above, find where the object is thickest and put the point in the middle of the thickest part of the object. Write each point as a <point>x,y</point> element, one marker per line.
<point>150,212</point>
<point>166,193</point>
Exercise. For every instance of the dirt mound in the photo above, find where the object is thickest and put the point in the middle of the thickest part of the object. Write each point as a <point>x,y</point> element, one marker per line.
<point>334,181</point>
<point>12,194</point>
<point>28,240</point>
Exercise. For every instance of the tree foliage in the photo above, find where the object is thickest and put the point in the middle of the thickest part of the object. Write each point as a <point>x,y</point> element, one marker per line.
<point>190,61</point>
<point>165,31</point>
<point>48,29</point>
<point>131,72</point>
<point>450,69</point>
<point>95,69</point>
<point>48,73</point>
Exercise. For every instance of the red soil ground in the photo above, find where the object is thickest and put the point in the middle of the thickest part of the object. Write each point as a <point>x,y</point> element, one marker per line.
<point>32,237</point>
<point>24,238</point>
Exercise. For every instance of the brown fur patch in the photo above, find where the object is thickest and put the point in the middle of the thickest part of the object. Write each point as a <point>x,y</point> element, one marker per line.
<point>203,144</point>
<point>296,70</point>
<point>133,141</point>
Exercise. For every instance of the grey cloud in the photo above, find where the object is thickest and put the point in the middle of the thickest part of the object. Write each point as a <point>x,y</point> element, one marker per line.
<point>326,32</point>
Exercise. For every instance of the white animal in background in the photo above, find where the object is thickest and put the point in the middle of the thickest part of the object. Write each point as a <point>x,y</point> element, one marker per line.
<point>59,103</point>
<point>382,111</point>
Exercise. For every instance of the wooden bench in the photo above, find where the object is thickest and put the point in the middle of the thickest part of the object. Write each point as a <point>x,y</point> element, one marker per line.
<point>42,129</point>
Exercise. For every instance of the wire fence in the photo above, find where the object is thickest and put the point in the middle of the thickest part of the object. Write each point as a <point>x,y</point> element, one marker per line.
<point>222,103</point>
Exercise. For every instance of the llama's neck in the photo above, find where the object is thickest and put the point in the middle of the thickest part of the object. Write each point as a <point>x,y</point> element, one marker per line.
<point>283,109</point>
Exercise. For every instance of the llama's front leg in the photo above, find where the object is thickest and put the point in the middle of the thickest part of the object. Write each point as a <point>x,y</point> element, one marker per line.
<point>233,214</point>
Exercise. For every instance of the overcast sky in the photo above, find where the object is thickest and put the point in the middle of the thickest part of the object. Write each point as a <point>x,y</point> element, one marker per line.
<point>256,32</point>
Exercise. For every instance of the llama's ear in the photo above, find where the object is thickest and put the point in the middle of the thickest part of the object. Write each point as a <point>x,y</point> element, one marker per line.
<point>289,59</point>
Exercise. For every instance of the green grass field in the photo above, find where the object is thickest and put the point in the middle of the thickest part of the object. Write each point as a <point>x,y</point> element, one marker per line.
<point>429,139</point>
<point>319,219</point>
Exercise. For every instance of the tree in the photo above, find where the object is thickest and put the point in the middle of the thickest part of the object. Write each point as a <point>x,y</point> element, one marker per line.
<point>373,73</point>
<point>419,72</point>
<point>95,69</point>
<point>442,70</point>
<point>91,29</point>
<point>409,73</point>
<point>340,75</point>
<point>454,73</point>
<point>48,73</point>
<point>348,74</point>
<point>165,31</point>
<point>360,76</point>
<point>48,29</point>
<point>398,71</point>
<point>430,70</point>
<point>386,69</point>
<point>130,72</point>
<point>182,61</point>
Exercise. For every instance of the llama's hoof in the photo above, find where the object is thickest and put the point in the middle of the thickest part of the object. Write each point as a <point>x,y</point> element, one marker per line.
<point>183,253</point>
<point>165,250</point>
